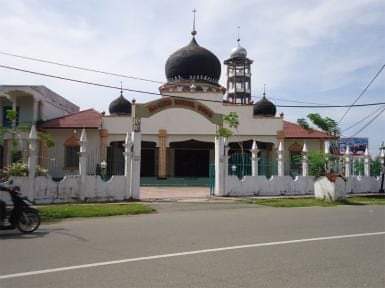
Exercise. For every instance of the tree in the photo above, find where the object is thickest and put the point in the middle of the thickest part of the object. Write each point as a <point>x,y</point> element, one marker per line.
<point>326,124</point>
<point>15,132</point>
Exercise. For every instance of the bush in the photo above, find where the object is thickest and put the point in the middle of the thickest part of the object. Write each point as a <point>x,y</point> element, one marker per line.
<point>21,169</point>
<point>317,164</point>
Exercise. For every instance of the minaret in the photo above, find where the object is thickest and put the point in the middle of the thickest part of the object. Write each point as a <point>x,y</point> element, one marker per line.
<point>238,75</point>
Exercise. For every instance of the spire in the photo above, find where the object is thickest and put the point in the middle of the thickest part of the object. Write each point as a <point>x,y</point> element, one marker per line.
<point>238,35</point>
<point>264,91</point>
<point>194,32</point>
<point>121,88</point>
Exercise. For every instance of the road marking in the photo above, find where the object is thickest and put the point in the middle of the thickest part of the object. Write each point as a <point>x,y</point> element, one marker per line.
<point>128,260</point>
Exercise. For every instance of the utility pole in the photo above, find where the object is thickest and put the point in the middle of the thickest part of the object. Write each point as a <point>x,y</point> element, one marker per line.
<point>382,158</point>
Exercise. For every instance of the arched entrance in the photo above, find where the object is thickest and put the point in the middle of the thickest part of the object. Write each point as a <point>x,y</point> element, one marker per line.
<point>191,157</point>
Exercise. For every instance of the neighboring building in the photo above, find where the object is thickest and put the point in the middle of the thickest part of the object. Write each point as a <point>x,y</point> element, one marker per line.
<point>34,104</point>
<point>178,129</point>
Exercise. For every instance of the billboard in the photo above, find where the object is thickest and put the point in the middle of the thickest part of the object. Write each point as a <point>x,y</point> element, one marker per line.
<point>357,145</point>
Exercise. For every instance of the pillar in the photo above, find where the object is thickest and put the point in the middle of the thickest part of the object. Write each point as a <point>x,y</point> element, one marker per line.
<point>305,161</point>
<point>103,134</point>
<point>136,140</point>
<point>14,108</point>
<point>33,152</point>
<point>347,161</point>
<point>219,166</point>
<point>281,167</point>
<point>127,163</point>
<point>83,163</point>
<point>254,159</point>
<point>162,156</point>
<point>382,157</point>
<point>35,110</point>
<point>32,161</point>
<point>327,152</point>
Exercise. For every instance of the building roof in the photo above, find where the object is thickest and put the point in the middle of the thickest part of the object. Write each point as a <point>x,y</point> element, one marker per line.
<point>44,94</point>
<point>293,130</point>
<point>89,118</point>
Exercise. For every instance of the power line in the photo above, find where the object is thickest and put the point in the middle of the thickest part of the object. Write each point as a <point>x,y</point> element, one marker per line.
<point>122,75</point>
<point>181,97</point>
<point>363,92</point>
<point>370,122</point>
<point>363,119</point>
<point>79,67</point>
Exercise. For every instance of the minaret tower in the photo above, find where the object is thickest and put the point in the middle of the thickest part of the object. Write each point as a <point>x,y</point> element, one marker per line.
<point>238,75</point>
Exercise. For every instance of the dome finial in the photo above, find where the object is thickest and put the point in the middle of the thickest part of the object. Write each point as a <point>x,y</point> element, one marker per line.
<point>264,91</point>
<point>238,35</point>
<point>121,88</point>
<point>194,32</point>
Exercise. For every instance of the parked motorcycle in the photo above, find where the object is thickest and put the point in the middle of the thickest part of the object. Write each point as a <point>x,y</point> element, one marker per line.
<point>21,216</point>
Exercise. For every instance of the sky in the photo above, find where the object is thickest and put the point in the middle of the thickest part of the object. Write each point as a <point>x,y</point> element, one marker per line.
<point>324,52</point>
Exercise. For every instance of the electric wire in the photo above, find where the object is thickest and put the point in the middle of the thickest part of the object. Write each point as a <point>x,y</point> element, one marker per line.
<point>121,75</point>
<point>369,122</point>
<point>79,67</point>
<point>362,119</point>
<point>362,92</point>
<point>175,96</point>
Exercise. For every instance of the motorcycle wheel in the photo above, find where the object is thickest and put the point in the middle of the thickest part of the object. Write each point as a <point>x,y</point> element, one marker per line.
<point>28,221</point>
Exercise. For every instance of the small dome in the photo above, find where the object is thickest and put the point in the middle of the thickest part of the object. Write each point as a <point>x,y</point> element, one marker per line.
<point>264,108</point>
<point>238,52</point>
<point>193,62</point>
<point>120,106</point>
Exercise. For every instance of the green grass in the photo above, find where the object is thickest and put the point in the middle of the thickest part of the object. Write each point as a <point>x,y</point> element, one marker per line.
<point>62,211</point>
<point>310,202</point>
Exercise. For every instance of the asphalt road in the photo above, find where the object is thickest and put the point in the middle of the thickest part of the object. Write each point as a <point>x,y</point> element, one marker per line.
<point>270,260</point>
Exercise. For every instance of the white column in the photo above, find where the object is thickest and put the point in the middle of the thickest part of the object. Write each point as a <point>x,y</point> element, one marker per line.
<point>327,152</point>
<point>219,167</point>
<point>32,157</point>
<point>35,110</point>
<point>254,159</point>
<point>281,166</point>
<point>305,161</point>
<point>83,163</point>
<point>32,161</point>
<point>347,161</point>
<point>127,163</point>
<point>136,140</point>
<point>382,157</point>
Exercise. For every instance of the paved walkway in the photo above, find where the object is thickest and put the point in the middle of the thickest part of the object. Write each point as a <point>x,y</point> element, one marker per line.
<point>153,193</point>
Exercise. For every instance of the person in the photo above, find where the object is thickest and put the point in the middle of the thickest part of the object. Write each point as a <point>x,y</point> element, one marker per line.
<point>3,206</point>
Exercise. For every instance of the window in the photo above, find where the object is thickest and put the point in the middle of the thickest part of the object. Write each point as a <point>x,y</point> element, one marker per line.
<point>72,156</point>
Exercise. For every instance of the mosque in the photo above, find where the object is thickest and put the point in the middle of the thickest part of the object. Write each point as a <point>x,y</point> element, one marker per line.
<point>178,128</point>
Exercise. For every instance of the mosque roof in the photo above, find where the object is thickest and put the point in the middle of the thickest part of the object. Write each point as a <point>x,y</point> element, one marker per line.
<point>89,118</point>
<point>293,130</point>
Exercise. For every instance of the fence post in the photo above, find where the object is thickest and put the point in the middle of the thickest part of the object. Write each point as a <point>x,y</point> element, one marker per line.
<point>281,168</point>
<point>327,152</point>
<point>219,166</point>
<point>32,161</point>
<point>136,140</point>
<point>127,163</point>
<point>347,161</point>
<point>83,163</point>
<point>254,158</point>
<point>305,162</point>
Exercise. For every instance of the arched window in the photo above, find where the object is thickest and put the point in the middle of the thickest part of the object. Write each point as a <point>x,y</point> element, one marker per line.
<point>71,152</point>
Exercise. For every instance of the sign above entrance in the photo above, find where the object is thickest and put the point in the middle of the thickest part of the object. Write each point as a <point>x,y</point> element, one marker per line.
<point>148,109</point>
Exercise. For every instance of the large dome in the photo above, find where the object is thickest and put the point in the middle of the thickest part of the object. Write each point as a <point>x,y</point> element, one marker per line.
<point>193,62</point>
<point>264,108</point>
<point>120,106</point>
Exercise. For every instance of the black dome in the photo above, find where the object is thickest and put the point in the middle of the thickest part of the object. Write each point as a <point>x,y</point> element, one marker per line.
<point>264,108</point>
<point>193,62</point>
<point>120,106</point>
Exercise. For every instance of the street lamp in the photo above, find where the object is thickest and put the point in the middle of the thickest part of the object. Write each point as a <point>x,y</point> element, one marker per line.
<point>382,159</point>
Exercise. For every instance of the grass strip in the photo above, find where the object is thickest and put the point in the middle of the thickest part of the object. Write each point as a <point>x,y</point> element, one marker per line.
<point>311,202</point>
<point>63,211</point>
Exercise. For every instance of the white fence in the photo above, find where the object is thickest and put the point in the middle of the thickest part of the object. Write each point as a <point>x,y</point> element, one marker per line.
<point>43,189</point>
<point>285,185</point>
